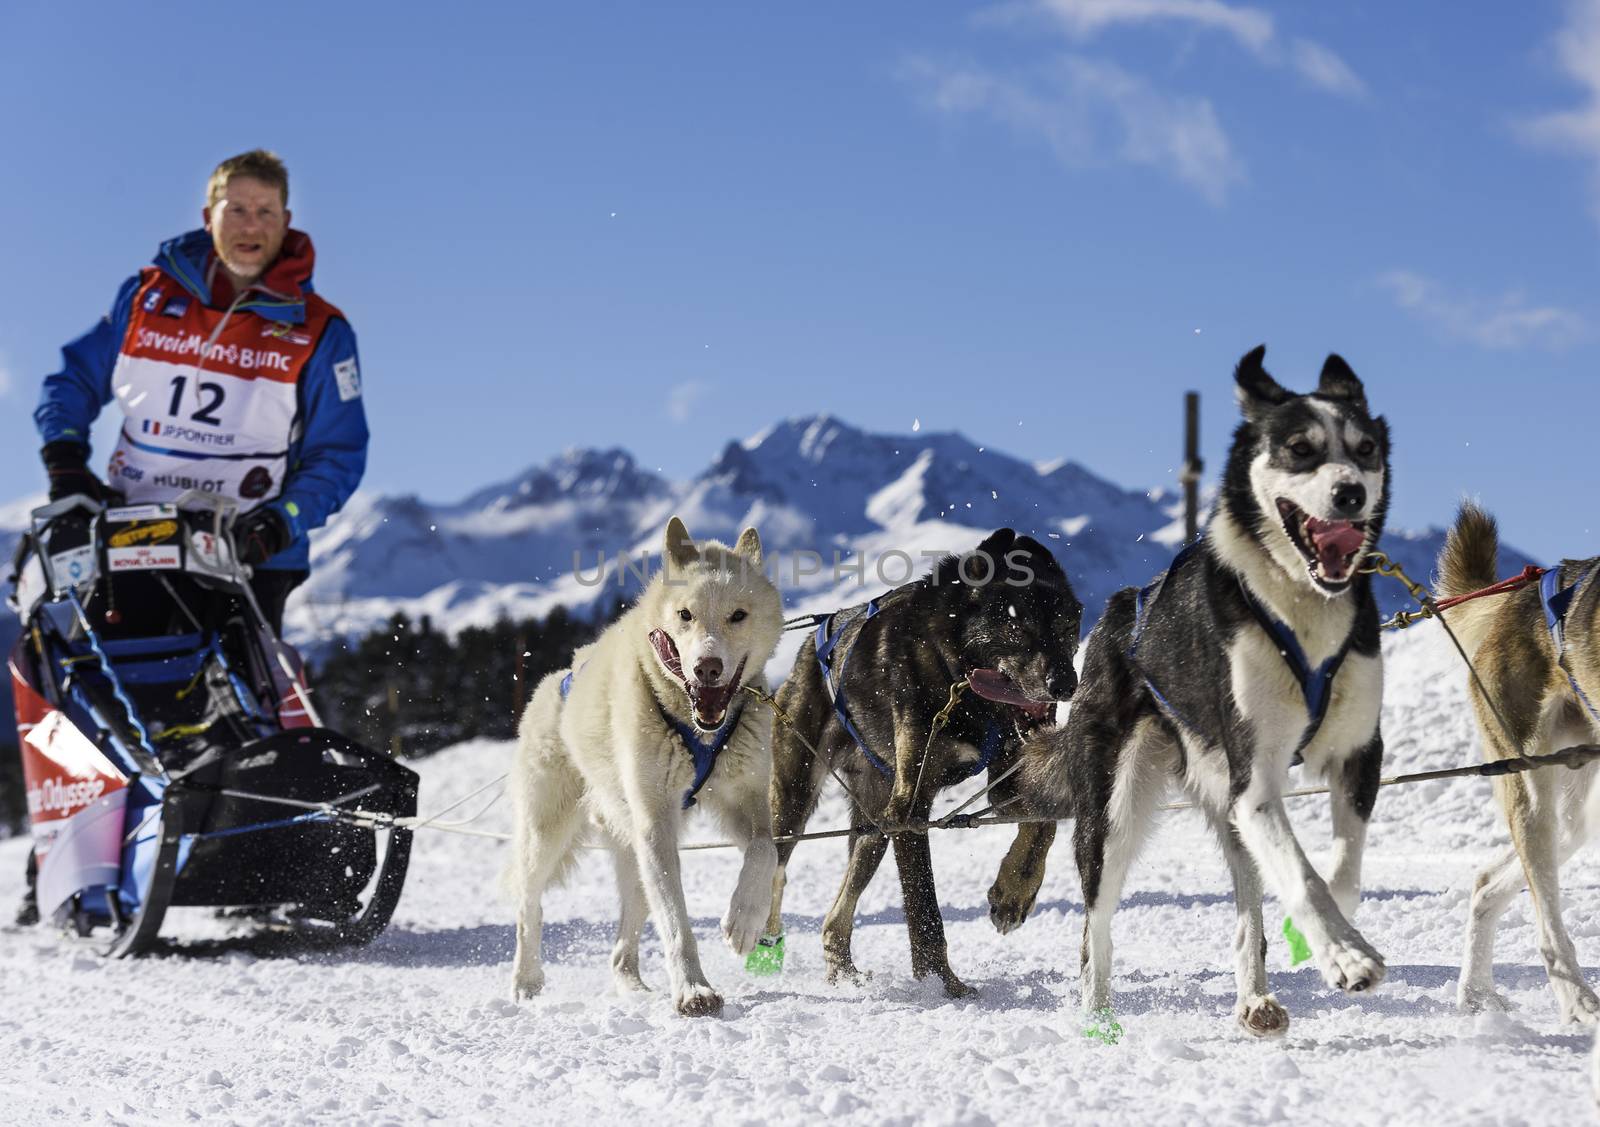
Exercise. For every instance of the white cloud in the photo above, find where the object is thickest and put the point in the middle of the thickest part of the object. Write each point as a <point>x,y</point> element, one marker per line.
<point>1091,113</point>
<point>1086,18</point>
<point>1504,322</point>
<point>681,400</point>
<point>1325,70</point>
<point>1576,130</point>
<point>1252,28</point>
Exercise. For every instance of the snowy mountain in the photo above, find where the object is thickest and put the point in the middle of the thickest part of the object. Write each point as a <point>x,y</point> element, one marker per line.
<point>819,489</point>
<point>813,484</point>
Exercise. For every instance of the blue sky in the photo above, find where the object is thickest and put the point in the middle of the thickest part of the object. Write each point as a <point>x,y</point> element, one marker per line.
<point>663,226</point>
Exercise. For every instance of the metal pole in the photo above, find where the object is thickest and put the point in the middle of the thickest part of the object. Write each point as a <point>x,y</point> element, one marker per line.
<point>1192,465</point>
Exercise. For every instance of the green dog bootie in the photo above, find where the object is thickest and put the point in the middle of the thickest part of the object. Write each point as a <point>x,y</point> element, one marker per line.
<point>1104,1028</point>
<point>1299,949</point>
<point>767,959</point>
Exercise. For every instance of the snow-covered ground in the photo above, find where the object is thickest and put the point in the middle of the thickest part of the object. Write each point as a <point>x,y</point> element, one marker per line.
<point>420,1025</point>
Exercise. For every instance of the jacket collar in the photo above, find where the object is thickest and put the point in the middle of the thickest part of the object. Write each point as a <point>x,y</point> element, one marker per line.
<point>281,293</point>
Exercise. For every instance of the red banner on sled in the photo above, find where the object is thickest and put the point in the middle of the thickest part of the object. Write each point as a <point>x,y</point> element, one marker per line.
<point>63,771</point>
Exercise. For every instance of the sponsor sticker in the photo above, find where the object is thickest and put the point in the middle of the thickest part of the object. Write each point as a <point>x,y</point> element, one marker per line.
<point>185,482</point>
<point>119,467</point>
<point>154,532</point>
<point>349,379</point>
<point>152,300</point>
<point>228,353</point>
<point>177,307</point>
<point>146,557</point>
<point>61,798</point>
<point>257,483</point>
<point>73,566</point>
<point>126,513</point>
<point>177,432</point>
<point>204,546</point>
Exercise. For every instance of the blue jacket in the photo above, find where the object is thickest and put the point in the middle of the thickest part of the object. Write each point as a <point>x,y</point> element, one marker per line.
<point>327,445</point>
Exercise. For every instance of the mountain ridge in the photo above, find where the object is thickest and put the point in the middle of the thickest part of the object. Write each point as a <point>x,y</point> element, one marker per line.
<point>812,483</point>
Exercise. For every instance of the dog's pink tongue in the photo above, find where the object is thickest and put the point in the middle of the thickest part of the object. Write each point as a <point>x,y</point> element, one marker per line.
<point>711,702</point>
<point>709,713</point>
<point>996,686</point>
<point>1333,541</point>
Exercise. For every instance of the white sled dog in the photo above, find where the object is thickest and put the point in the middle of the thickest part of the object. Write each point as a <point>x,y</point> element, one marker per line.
<point>651,721</point>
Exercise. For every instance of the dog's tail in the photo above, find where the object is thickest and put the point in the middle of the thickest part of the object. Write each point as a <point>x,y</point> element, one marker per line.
<point>546,793</point>
<point>1045,773</point>
<point>1470,561</point>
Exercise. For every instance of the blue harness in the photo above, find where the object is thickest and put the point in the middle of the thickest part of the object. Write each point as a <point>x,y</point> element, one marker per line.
<point>1142,602</point>
<point>1556,604</point>
<point>703,752</point>
<point>827,640</point>
<point>1316,685</point>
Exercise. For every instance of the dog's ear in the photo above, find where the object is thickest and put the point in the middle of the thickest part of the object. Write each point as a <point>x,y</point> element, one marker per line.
<point>995,547</point>
<point>1254,387</point>
<point>680,550</point>
<point>1038,563</point>
<point>749,546</point>
<point>1339,382</point>
<point>997,544</point>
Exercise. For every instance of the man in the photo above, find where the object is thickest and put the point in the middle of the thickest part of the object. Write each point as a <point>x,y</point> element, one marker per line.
<point>232,376</point>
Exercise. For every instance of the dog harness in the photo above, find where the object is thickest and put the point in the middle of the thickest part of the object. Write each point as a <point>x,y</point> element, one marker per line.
<point>1316,685</point>
<point>1556,603</point>
<point>1142,603</point>
<point>703,753</point>
<point>830,630</point>
<point>827,639</point>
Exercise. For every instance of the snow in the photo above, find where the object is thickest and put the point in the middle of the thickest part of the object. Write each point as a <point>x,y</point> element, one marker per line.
<point>420,1024</point>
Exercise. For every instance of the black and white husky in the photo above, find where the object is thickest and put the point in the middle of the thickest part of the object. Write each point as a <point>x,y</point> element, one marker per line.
<point>1259,643</point>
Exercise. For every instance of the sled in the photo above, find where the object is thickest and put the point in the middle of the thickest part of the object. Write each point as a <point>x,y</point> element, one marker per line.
<point>171,753</point>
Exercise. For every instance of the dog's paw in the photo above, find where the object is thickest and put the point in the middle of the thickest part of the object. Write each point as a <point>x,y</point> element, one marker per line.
<point>1480,1000</point>
<point>847,974</point>
<point>1262,1016</point>
<point>1350,963</point>
<point>955,988</point>
<point>628,982</point>
<point>699,1000</point>
<point>1007,910</point>
<point>744,925</point>
<point>1582,1009</point>
<point>527,984</point>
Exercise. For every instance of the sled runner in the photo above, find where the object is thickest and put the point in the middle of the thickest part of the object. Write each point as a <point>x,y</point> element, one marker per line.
<point>171,754</point>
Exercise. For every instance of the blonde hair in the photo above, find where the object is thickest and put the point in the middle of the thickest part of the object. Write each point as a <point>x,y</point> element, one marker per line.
<point>258,164</point>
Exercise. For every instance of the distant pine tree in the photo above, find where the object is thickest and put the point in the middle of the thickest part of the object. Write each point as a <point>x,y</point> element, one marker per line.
<point>412,689</point>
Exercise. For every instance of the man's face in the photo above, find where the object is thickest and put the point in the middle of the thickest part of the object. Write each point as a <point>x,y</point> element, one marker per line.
<point>247,226</point>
